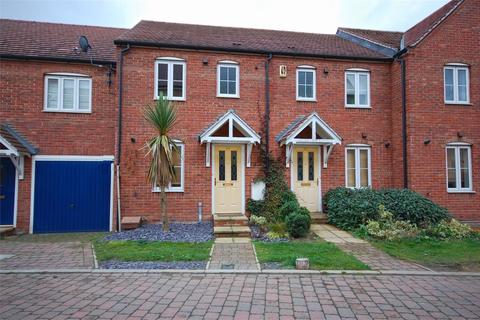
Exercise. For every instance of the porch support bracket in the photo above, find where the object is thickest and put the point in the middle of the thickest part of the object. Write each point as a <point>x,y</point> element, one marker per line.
<point>327,150</point>
<point>249,154</point>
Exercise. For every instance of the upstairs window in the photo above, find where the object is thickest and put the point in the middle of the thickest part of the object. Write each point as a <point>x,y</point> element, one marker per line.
<point>306,84</point>
<point>228,84</point>
<point>357,89</point>
<point>456,84</point>
<point>68,93</point>
<point>170,74</point>
<point>459,168</point>
<point>358,167</point>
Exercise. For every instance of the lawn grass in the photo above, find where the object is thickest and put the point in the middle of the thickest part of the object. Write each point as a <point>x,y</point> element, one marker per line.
<point>322,255</point>
<point>455,254</point>
<point>152,251</point>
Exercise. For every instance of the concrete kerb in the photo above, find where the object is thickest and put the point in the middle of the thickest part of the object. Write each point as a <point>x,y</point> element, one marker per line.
<point>201,271</point>
<point>210,257</point>
<point>95,261</point>
<point>256,258</point>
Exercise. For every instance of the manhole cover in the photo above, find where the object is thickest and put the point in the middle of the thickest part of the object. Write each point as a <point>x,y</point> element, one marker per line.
<point>5,256</point>
<point>228,266</point>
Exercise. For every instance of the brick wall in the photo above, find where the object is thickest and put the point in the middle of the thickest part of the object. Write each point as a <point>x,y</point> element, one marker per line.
<point>21,104</point>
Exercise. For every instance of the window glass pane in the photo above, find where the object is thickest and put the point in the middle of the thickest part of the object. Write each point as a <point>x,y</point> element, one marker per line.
<point>311,166</point>
<point>162,71</point>
<point>52,93</point>
<point>68,92</point>
<point>462,77</point>
<point>364,168</point>
<point>301,77</point>
<point>351,168</point>
<point>300,166</point>
<point>363,90</point>
<point>234,166</point>
<point>232,74</point>
<point>177,180</point>
<point>162,87</point>
<point>309,92</point>
<point>449,85</point>
<point>223,87</point>
<point>177,88</point>
<point>232,87</point>
<point>464,168</point>
<point>221,166</point>
<point>363,178</point>
<point>350,89</point>
<point>176,157</point>
<point>451,171</point>
<point>83,94</point>
<point>178,72</point>
<point>449,92</point>
<point>309,77</point>
<point>223,73</point>
<point>302,91</point>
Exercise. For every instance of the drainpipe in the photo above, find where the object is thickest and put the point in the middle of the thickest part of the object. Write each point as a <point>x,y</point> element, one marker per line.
<point>119,133</point>
<point>267,110</point>
<point>404,123</point>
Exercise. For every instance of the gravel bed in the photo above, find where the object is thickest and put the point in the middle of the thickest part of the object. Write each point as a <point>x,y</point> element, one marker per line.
<point>179,232</point>
<point>186,265</point>
<point>257,234</point>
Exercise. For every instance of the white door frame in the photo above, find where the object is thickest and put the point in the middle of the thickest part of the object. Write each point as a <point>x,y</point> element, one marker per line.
<point>242,157</point>
<point>15,200</point>
<point>69,158</point>
<point>292,178</point>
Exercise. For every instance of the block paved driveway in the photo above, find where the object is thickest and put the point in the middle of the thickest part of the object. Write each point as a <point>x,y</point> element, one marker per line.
<point>237,296</point>
<point>45,255</point>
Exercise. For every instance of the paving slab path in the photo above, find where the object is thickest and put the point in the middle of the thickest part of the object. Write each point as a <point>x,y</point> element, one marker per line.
<point>237,296</point>
<point>45,255</point>
<point>233,254</point>
<point>362,250</point>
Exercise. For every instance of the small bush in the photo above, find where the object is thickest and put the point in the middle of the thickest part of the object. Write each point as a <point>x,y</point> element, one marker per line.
<point>255,207</point>
<point>386,228</point>
<point>452,229</point>
<point>288,208</point>
<point>289,196</point>
<point>278,227</point>
<point>350,208</point>
<point>275,236</point>
<point>260,221</point>
<point>298,224</point>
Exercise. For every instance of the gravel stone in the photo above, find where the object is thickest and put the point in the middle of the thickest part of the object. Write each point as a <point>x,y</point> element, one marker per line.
<point>179,232</point>
<point>257,234</point>
<point>273,266</point>
<point>190,265</point>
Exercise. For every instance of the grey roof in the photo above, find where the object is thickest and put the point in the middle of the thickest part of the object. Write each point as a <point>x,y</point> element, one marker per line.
<point>17,140</point>
<point>292,126</point>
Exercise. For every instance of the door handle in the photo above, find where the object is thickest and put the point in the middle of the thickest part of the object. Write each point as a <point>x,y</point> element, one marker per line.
<point>214,181</point>
<point>2,197</point>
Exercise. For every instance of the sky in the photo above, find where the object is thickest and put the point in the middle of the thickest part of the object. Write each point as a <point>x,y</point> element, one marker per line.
<point>318,16</point>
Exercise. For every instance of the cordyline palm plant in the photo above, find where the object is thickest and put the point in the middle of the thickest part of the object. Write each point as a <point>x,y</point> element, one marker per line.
<point>161,148</point>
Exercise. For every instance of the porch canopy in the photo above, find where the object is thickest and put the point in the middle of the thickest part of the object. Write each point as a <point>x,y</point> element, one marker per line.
<point>229,129</point>
<point>14,146</point>
<point>307,131</point>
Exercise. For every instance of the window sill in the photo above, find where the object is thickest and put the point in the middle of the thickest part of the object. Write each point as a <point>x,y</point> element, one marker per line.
<point>228,96</point>
<point>306,100</point>
<point>357,107</point>
<point>460,104</point>
<point>461,191</point>
<point>68,111</point>
<point>171,99</point>
<point>169,191</point>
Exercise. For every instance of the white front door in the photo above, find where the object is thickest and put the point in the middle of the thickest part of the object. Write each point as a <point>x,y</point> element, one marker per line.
<point>228,179</point>
<point>306,177</point>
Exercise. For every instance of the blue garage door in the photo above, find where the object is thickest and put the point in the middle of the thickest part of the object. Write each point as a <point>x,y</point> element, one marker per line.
<point>72,196</point>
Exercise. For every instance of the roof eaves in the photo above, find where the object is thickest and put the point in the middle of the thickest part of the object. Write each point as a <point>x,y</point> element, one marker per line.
<point>22,140</point>
<point>251,51</point>
<point>55,59</point>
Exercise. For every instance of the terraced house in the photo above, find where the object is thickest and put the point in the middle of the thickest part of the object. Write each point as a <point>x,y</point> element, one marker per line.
<point>360,108</point>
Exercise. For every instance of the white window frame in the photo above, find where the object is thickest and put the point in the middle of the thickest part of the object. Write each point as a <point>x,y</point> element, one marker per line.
<point>182,175</point>
<point>60,77</point>
<point>229,64</point>
<point>170,62</point>
<point>456,68</point>
<point>458,179</point>
<point>357,149</point>
<point>356,73</point>
<point>306,69</point>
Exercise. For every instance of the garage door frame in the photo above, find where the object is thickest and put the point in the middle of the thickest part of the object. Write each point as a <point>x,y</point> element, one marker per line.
<point>69,158</point>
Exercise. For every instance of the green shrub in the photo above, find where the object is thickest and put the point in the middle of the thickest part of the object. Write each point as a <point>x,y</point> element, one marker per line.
<point>350,208</point>
<point>260,221</point>
<point>289,196</point>
<point>288,208</point>
<point>386,228</point>
<point>273,235</point>
<point>255,207</point>
<point>278,227</point>
<point>304,211</point>
<point>298,224</point>
<point>452,229</point>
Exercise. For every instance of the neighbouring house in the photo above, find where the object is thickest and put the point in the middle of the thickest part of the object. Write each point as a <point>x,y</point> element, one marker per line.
<point>360,108</point>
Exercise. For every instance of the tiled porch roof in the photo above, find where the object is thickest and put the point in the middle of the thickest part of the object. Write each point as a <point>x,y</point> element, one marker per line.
<point>17,140</point>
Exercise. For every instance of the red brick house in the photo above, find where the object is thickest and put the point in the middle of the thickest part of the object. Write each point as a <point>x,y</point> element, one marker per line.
<point>361,108</point>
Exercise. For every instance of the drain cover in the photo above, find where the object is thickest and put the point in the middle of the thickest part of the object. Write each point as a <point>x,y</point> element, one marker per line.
<point>228,266</point>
